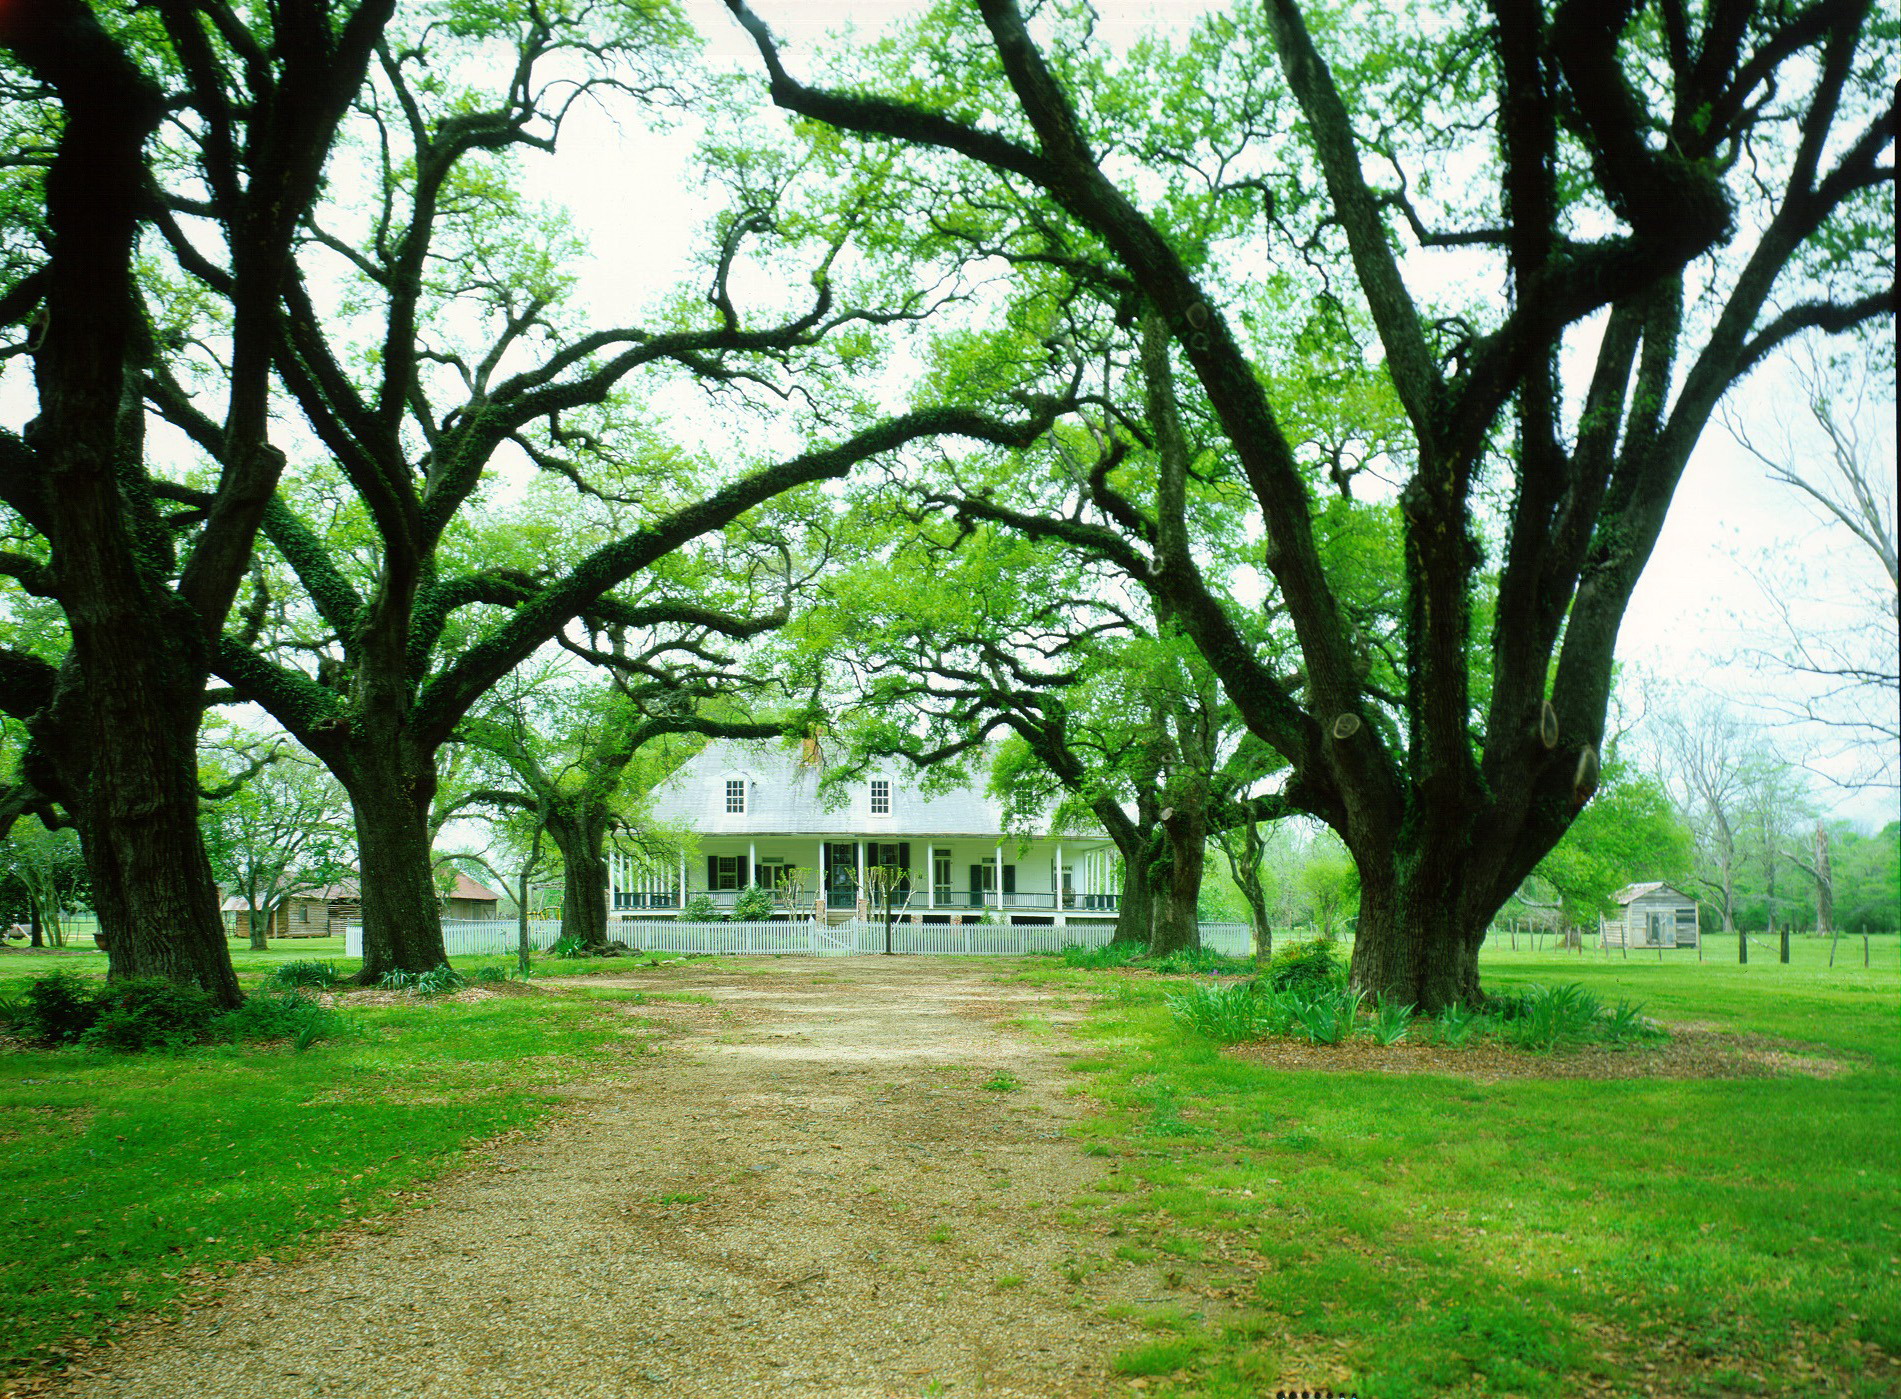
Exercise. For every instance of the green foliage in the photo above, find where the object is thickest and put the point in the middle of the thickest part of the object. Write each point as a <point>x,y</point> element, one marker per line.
<point>569,945</point>
<point>58,1009</point>
<point>1305,966</point>
<point>437,981</point>
<point>1324,1014</point>
<point>1226,1013</point>
<point>1188,961</point>
<point>1457,1024</point>
<point>1391,1021</point>
<point>306,973</point>
<point>1198,961</point>
<point>149,1013</point>
<point>700,909</point>
<point>1629,833</point>
<point>1114,954</point>
<point>278,1014</point>
<point>753,905</point>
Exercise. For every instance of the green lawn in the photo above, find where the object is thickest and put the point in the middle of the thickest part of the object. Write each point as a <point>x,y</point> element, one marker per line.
<point>130,1179</point>
<point>1385,1235</point>
<point>1426,1235</point>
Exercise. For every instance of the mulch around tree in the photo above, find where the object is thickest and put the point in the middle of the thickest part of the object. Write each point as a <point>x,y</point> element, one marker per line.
<point>1691,1052</point>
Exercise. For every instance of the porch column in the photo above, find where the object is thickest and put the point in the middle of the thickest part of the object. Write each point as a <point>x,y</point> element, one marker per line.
<point>682,904</point>
<point>999,879</point>
<point>1058,907</point>
<point>752,863</point>
<point>930,876</point>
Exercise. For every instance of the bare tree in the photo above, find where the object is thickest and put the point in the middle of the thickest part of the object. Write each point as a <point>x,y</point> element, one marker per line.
<point>1707,749</point>
<point>1842,463</point>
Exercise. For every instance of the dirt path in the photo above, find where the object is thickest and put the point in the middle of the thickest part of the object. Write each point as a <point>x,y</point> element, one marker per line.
<point>811,1192</point>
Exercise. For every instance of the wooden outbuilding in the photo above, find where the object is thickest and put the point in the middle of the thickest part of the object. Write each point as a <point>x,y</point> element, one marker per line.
<point>1651,915</point>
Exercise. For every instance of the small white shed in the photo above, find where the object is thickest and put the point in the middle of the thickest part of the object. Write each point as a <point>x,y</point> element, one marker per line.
<point>1650,915</point>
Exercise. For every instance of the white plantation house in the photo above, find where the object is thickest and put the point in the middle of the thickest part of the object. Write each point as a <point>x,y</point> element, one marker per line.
<point>762,822</point>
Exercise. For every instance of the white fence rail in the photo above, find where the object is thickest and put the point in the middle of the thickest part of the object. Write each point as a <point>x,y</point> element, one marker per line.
<point>470,937</point>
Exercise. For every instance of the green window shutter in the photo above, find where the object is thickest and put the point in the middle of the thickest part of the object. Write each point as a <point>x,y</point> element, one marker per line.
<point>712,871</point>
<point>1009,879</point>
<point>745,872</point>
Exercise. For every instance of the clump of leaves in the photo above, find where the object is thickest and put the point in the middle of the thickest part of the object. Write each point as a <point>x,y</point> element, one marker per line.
<point>1226,1014</point>
<point>287,1013</point>
<point>1391,1021</point>
<point>1325,1015</point>
<point>569,945</point>
<point>1003,1082</point>
<point>1626,1023</point>
<point>322,975</point>
<point>1198,961</point>
<point>1550,1016</point>
<point>753,905</point>
<point>58,1009</point>
<point>1457,1024</point>
<point>437,981</point>
<point>1306,967</point>
<point>700,909</point>
<point>149,1013</point>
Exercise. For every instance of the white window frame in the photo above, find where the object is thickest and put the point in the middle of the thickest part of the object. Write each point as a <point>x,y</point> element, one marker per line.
<point>726,873</point>
<point>880,796</point>
<point>735,796</point>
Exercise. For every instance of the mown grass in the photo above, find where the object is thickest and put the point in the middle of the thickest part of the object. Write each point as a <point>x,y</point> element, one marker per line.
<point>133,1178</point>
<point>1413,1236</point>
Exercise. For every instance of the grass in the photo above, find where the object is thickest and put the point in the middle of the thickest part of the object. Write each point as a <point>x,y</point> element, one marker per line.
<point>1413,1236</point>
<point>132,1179</point>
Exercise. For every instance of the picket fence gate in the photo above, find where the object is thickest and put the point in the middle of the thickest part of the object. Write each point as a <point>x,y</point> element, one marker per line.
<point>463,937</point>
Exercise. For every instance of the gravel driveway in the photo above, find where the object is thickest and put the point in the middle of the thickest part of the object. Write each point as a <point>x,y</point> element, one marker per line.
<point>810,1192</point>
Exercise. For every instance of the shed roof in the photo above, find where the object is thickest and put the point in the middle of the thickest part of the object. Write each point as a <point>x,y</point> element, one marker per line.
<point>1630,893</point>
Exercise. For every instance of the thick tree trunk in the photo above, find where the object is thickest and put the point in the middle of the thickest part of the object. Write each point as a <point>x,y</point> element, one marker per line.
<point>402,914</point>
<point>1415,945</point>
<point>1176,877</point>
<point>583,879</point>
<point>1135,909</point>
<point>36,938</point>
<point>152,885</point>
<point>260,933</point>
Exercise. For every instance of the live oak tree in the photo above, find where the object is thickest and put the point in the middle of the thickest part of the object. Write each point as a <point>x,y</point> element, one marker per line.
<point>945,639</point>
<point>1639,205</point>
<point>483,361</point>
<point>193,109</point>
<point>279,830</point>
<point>578,755</point>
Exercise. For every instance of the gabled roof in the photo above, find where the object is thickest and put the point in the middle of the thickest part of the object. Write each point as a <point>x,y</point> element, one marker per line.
<point>349,890</point>
<point>1632,892</point>
<point>782,798</point>
<point>466,888</point>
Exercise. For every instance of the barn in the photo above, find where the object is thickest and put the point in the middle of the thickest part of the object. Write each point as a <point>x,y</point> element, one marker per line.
<point>1651,915</point>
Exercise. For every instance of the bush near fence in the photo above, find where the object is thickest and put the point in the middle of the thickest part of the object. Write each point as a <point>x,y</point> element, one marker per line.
<point>470,937</point>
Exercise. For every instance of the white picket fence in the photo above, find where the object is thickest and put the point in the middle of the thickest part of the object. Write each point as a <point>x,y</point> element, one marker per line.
<point>471,937</point>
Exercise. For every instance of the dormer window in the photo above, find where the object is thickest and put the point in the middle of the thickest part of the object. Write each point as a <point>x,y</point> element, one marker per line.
<point>735,796</point>
<point>880,797</point>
